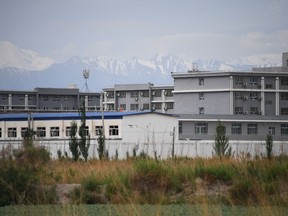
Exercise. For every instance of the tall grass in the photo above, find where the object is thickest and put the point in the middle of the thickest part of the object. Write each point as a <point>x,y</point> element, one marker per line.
<point>173,181</point>
<point>179,180</point>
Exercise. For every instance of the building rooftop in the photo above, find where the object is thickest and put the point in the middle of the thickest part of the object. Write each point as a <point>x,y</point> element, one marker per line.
<point>71,116</point>
<point>232,118</point>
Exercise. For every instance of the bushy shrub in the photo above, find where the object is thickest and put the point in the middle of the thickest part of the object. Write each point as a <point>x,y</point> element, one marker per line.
<point>19,174</point>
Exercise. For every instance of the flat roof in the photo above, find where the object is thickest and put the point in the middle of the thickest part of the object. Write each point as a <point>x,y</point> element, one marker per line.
<point>232,118</point>
<point>64,116</point>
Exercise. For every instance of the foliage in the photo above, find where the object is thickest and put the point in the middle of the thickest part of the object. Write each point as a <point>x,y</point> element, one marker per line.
<point>73,143</point>
<point>19,174</point>
<point>84,142</point>
<point>79,146</point>
<point>101,145</point>
<point>269,146</point>
<point>221,146</point>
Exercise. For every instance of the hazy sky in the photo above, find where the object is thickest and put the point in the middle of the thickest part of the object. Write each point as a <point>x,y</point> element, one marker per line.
<point>222,29</point>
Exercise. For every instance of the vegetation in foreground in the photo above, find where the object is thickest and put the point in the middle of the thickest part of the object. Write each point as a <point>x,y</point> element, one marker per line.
<point>30,177</point>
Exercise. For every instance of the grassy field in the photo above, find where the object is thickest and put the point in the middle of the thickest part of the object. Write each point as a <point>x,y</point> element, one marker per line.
<point>185,181</point>
<point>143,210</point>
<point>30,184</point>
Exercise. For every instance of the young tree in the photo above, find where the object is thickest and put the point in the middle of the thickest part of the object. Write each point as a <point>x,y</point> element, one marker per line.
<point>221,146</point>
<point>101,145</point>
<point>84,142</point>
<point>73,143</point>
<point>269,146</point>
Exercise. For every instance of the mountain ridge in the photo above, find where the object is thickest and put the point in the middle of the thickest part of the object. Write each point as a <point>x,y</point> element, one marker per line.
<point>104,70</point>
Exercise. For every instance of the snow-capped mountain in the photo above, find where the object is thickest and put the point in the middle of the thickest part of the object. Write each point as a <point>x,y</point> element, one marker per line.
<point>12,56</point>
<point>25,69</point>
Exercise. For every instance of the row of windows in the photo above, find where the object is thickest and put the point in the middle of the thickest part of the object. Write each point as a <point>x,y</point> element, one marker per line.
<point>252,96</point>
<point>145,106</point>
<point>253,110</point>
<point>256,81</point>
<point>236,129</point>
<point>55,131</point>
<point>65,98</point>
<point>137,94</point>
<point>20,97</point>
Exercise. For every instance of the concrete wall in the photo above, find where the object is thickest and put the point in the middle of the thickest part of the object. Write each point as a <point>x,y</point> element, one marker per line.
<point>149,128</point>
<point>213,103</point>
<point>188,131</point>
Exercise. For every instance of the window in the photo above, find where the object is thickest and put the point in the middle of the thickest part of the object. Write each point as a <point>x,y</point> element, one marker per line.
<point>169,105</point>
<point>41,132</point>
<point>168,92</point>
<point>121,94</point>
<point>67,131</point>
<point>284,111</point>
<point>201,128</point>
<point>54,132</point>
<point>268,102</point>
<point>113,130</point>
<point>271,130</point>
<point>145,106</point>
<point>156,106</point>
<point>236,128</point>
<point>86,131</point>
<point>0,132</point>
<point>284,129</point>
<point>254,110</point>
<point>134,107</point>
<point>201,81</point>
<point>201,96</point>
<point>252,129</point>
<point>156,93</point>
<point>134,94</point>
<point>23,131</point>
<point>110,107</point>
<point>284,96</point>
<point>269,86</point>
<point>56,98</point>
<point>110,94</point>
<point>144,93</point>
<point>4,97</point>
<point>45,98</point>
<point>201,110</point>
<point>122,107</point>
<point>98,130</point>
<point>66,98</point>
<point>284,81</point>
<point>238,110</point>
<point>21,97</point>
<point>12,132</point>
<point>180,127</point>
<point>253,95</point>
<point>30,97</point>
<point>238,95</point>
<point>253,80</point>
<point>238,81</point>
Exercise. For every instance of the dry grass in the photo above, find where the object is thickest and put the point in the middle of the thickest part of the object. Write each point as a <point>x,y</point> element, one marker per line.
<point>228,181</point>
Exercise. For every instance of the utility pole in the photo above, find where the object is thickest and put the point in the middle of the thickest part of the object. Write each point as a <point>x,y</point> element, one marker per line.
<point>102,110</point>
<point>173,142</point>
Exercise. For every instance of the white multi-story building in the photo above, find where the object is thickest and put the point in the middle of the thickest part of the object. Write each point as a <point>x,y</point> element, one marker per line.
<point>139,97</point>
<point>250,104</point>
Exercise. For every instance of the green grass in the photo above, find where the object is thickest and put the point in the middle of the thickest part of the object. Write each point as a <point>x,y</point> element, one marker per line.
<point>143,210</point>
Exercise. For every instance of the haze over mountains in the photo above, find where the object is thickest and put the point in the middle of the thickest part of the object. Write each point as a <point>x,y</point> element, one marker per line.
<point>25,69</point>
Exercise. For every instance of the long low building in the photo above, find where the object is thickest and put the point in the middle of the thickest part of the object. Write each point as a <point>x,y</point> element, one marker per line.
<point>156,134</point>
<point>124,131</point>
